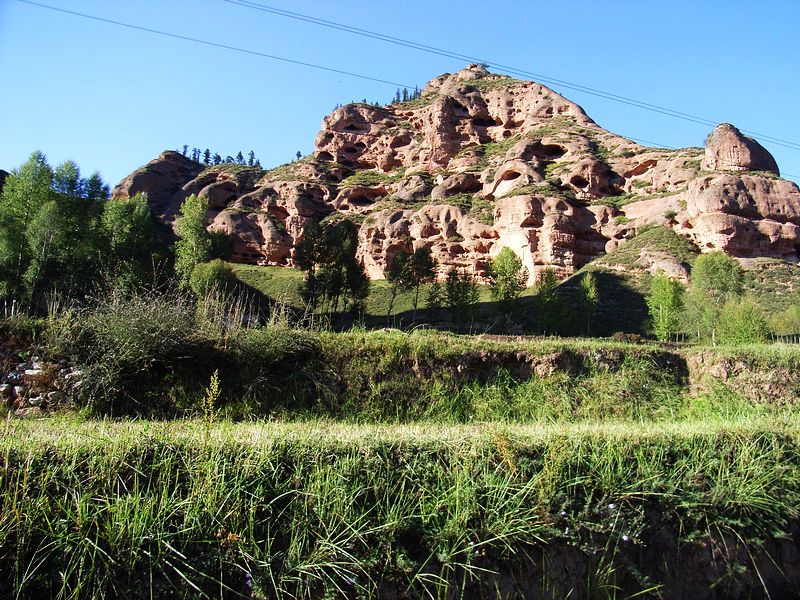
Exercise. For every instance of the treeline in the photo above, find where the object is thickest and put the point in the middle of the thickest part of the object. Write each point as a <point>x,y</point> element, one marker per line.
<point>205,157</point>
<point>714,308</point>
<point>400,95</point>
<point>59,232</point>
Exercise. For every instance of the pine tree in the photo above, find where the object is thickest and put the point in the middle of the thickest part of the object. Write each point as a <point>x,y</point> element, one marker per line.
<point>240,158</point>
<point>95,188</point>
<point>185,149</point>
<point>251,158</point>
<point>405,94</point>
<point>217,158</point>
<point>207,157</point>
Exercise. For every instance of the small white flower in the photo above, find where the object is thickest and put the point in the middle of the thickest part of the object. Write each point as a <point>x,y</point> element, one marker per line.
<point>625,538</point>
<point>612,506</point>
<point>563,513</point>
<point>566,530</point>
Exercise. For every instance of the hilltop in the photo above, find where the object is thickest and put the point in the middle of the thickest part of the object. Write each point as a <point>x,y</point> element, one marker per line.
<point>480,162</point>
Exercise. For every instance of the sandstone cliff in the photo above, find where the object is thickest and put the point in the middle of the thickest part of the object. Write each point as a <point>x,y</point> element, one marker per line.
<point>480,162</point>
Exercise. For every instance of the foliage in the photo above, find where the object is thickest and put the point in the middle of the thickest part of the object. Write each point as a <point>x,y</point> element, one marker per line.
<point>422,270</point>
<point>664,304</point>
<point>327,255</point>
<point>213,275</point>
<point>741,321</point>
<point>716,279</point>
<point>399,277</point>
<point>547,298</point>
<point>129,246</point>
<point>460,296</point>
<point>508,277</point>
<point>195,244</point>
<point>588,297</point>
<point>51,238</point>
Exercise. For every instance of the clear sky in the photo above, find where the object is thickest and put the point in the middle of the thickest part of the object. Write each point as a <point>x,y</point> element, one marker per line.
<point>112,98</point>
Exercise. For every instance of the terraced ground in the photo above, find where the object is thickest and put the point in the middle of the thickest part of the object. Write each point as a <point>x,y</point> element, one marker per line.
<point>406,465</point>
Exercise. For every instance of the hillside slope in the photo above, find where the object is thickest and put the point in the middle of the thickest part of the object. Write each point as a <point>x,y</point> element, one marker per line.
<point>480,162</point>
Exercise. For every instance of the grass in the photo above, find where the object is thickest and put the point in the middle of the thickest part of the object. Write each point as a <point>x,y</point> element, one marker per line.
<point>315,509</point>
<point>654,239</point>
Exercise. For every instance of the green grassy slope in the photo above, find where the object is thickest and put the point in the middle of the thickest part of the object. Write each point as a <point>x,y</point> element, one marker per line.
<point>622,283</point>
<point>312,510</point>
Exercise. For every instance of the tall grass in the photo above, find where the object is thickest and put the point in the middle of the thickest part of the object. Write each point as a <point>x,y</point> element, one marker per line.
<point>141,510</point>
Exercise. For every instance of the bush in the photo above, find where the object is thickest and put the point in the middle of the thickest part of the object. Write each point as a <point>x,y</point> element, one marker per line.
<point>742,322</point>
<point>209,275</point>
<point>137,347</point>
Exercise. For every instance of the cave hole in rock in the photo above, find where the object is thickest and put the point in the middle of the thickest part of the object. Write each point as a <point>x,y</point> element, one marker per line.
<point>797,252</point>
<point>531,221</point>
<point>347,163</point>
<point>484,122</point>
<point>360,201</point>
<point>355,148</point>
<point>510,175</point>
<point>325,157</point>
<point>579,182</point>
<point>506,134</point>
<point>327,137</point>
<point>509,103</point>
<point>400,141</point>
<point>457,249</point>
<point>549,151</point>
<point>352,128</point>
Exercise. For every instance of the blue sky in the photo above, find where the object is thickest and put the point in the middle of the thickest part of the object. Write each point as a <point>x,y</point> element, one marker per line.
<point>112,98</point>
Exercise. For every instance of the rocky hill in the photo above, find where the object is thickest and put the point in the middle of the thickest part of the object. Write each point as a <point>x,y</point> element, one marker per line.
<point>483,161</point>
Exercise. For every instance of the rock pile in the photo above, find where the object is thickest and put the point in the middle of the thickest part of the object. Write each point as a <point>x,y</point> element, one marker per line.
<point>32,388</point>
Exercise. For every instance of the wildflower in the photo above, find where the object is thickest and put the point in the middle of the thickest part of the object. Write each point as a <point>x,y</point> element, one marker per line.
<point>566,530</point>
<point>248,581</point>
<point>625,538</point>
<point>612,506</point>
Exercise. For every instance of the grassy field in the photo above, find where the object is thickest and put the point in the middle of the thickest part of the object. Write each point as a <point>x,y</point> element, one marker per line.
<point>92,509</point>
<point>391,464</point>
<point>621,281</point>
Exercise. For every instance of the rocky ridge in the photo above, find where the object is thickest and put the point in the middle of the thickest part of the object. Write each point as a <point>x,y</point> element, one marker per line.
<point>483,161</point>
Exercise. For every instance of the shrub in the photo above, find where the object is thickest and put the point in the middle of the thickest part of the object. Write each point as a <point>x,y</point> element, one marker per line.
<point>137,346</point>
<point>210,275</point>
<point>742,322</point>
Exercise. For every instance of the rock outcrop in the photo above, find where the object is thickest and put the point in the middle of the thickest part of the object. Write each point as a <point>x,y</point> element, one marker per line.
<point>482,161</point>
<point>728,150</point>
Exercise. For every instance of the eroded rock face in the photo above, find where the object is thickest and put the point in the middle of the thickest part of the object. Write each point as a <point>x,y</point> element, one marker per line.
<point>727,149</point>
<point>162,179</point>
<point>480,162</point>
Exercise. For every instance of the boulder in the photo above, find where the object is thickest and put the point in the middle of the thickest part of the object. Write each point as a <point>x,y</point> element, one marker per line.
<point>727,149</point>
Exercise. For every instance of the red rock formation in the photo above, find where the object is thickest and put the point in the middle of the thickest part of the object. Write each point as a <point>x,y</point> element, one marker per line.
<point>480,162</point>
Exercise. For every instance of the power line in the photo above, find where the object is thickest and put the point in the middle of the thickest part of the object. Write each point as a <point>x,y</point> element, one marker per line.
<point>502,68</point>
<point>297,62</point>
<point>214,44</point>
